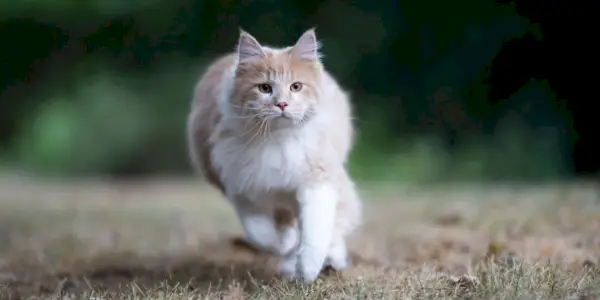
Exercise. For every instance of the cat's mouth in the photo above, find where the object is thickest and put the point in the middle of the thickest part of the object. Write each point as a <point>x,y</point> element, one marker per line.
<point>284,118</point>
<point>285,115</point>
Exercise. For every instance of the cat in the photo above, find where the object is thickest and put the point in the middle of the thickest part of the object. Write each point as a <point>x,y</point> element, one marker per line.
<point>272,129</point>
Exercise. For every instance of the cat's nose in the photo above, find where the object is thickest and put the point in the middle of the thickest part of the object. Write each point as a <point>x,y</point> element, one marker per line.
<point>281,105</point>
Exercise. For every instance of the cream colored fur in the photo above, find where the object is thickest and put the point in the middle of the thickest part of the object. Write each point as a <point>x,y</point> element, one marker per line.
<point>282,169</point>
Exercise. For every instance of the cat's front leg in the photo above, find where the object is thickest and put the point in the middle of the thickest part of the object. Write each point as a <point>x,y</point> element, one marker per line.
<point>258,224</point>
<point>317,209</point>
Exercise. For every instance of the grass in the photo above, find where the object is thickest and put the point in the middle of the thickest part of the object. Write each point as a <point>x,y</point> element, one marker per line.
<point>172,239</point>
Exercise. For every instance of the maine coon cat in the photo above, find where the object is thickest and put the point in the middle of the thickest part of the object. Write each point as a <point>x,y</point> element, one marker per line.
<point>272,129</point>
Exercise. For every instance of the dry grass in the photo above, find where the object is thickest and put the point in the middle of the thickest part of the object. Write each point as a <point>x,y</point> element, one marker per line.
<point>172,240</point>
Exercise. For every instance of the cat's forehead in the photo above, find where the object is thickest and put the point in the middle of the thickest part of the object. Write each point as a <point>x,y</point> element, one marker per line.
<point>280,59</point>
<point>272,51</point>
<point>278,62</point>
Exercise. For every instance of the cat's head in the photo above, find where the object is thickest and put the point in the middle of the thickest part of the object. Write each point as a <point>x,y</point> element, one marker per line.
<point>281,86</point>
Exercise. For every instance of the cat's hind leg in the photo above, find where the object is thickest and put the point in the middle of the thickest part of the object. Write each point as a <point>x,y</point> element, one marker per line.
<point>287,226</point>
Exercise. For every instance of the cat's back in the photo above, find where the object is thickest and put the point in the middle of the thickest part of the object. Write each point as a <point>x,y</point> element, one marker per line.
<point>205,115</point>
<point>338,109</point>
<point>208,87</point>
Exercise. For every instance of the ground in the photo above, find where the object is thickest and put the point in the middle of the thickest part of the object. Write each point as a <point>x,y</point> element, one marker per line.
<point>172,239</point>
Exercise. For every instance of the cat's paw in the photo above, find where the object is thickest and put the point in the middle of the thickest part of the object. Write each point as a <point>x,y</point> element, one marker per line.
<point>337,256</point>
<point>309,268</point>
<point>287,267</point>
<point>337,263</point>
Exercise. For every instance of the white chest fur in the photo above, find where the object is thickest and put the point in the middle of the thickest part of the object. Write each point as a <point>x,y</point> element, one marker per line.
<point>275,163</point>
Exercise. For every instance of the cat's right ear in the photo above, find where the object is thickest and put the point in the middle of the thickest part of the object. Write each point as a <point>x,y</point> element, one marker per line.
<point>248,48</point>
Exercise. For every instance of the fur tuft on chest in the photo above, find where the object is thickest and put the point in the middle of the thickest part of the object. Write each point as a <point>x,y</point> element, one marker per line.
<point>274,164</point>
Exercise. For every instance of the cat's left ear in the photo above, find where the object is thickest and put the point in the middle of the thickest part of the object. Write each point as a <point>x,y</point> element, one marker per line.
<point>307,46</point>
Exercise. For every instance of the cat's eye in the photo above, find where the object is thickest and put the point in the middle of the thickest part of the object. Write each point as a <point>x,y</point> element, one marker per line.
<point>296,87</point>
<point>265,88</point>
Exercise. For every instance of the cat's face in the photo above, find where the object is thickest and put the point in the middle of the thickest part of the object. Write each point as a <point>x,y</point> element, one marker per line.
<point>280,86</point>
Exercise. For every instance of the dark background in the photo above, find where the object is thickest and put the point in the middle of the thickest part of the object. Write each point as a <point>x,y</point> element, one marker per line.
<point>459,90</point>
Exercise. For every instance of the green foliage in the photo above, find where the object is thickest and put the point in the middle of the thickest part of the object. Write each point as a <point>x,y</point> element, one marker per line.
<point>98,123</point>
<point>117,99</point>
<point>106,120</point>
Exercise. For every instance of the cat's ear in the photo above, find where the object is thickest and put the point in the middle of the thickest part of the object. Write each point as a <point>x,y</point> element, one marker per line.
<point>307,46</point>
<point>248,48</point>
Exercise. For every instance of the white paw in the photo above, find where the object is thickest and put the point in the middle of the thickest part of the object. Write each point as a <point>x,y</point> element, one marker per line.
<point>308,274</point>
<point>310,265</point>
<point>337,257</point>
<point>287,266</point>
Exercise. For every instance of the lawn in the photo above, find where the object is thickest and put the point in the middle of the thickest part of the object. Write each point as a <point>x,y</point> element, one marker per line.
<point>172,239</point>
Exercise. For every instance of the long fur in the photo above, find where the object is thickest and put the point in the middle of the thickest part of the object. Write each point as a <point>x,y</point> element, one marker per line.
<point>283,170</point>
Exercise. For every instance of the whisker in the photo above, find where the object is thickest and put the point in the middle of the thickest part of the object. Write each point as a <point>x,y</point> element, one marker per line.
<point>244,117</point>
<point>257,134</point>
<point>269,133</point>
<point>307,115</point>
<point>243,107</point>
<point>264,132</point>
<point>357,119</point>
<point>250,130</point>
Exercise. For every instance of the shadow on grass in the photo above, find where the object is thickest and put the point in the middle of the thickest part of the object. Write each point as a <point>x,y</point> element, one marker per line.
<point>210,270</point>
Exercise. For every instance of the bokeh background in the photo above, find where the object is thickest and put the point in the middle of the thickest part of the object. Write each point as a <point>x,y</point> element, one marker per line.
<point>103,87</point>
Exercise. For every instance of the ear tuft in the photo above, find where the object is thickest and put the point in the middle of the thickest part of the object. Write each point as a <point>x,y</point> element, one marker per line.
<point>307,46</point>
<point>248,48</point>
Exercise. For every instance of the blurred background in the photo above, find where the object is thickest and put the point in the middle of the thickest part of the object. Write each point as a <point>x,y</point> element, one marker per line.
<point>443,90</point>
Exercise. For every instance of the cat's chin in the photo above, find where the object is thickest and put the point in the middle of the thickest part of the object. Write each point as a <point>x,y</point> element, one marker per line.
<point>283,121</point>
<point>286,122</point>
